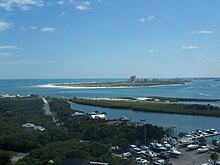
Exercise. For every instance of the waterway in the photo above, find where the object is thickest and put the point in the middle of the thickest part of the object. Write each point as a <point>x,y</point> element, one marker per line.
<point>183,123</point>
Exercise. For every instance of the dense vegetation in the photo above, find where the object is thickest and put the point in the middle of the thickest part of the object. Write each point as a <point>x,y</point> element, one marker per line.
<point>60,108</point>
<point>176,99</point>
<point>17,111</point>
<point>188,109</point>
<point>59,151</point>
<point>5,158</point>
<point>67,138</point>
<point>92,140</point>
<point>13,113</point>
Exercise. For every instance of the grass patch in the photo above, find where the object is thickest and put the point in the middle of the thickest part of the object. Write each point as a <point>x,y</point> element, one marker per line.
<point>187,109</point>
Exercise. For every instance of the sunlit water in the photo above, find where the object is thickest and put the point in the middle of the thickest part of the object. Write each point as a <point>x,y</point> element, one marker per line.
<point>196,89</point>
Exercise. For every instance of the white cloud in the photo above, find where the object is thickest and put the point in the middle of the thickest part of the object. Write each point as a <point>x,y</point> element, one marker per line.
<point>83,5</point>
<point>102,2</point>
<point>63,13</point>
<point>24,62</point>
<point>24,29</point>
<point>33,27</point>
<point>8,47</point>
<point>4,26</point>
<point>152,51</point>
<point>211,59</point>
<point>48,29</point>
<point>61,2</point>
<point>72,1</point>
<point>4,54</point>
<point>206,59</point>
<point>185,47</point>
<point>142,20</point>
<point>150,18</point>
<point>21,4</point>
<point>202,32</point>
<point>146,19</point>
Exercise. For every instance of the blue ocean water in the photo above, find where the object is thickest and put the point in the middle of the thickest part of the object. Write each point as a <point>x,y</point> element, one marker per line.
<point>196,89</point>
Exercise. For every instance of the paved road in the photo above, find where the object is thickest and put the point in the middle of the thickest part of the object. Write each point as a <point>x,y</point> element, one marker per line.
<point>46,107</point>
<point>18,156</point>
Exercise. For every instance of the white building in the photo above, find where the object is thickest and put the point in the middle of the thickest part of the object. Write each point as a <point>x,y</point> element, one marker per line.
<point>31,126</point>
<point>78,114</point>
<point>99,116</point>
<point>132,79</point>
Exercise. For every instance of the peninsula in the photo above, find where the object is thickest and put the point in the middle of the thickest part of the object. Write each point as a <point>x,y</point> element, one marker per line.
<point>131,82</point>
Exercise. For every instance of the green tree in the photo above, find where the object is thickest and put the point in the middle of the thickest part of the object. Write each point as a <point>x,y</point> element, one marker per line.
<point>214,157</point>
<point>5,158</point>
<point>202,141</point>
<point>181,134</point>
<point>214,142</point>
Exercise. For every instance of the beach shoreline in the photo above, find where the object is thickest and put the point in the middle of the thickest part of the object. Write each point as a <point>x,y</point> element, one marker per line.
<point>77,86</point>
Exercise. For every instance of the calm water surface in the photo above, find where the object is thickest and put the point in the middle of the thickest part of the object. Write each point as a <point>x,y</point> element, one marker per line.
<point>185,123</point>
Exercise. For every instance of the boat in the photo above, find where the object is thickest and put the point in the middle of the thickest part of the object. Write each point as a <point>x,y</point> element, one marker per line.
<point>157,146</point>
<point>186,141</point>
<point>159,162</point>
<point>202,149</point>
<point>192,146</point>
<point>207,133</point>
<point>173,141</point>
<point>213,131</point>
<point>198,134</point>
<point>126,154</point>
<point>173,151</point>
<point>166,144</point>
<point>135,150</point>
<point>144,148</point>
<point>141,161</point>
<point>149,154</point>
<point>163,155</point>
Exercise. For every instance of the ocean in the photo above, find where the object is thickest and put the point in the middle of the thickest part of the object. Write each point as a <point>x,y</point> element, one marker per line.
<point>208,89</point>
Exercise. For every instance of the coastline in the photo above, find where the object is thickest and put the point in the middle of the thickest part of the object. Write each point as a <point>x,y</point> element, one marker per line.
<point>153,86</point>
<point>77,86</point>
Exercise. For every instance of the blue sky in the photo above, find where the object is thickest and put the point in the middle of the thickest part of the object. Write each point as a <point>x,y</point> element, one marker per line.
<point>109,38</point>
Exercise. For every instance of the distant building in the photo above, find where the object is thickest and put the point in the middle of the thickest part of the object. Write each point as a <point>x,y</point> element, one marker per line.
<point>30,126</point>
<point>133,79</point>
<point>78,114</point>
<point>39,128</point>
<point>98,116</point>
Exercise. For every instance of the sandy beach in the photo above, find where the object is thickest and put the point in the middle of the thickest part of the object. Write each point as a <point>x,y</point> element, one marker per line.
<point>76,87</point>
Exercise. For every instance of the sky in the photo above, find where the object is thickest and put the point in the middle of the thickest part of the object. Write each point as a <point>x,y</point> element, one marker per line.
<point>109,38</point>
